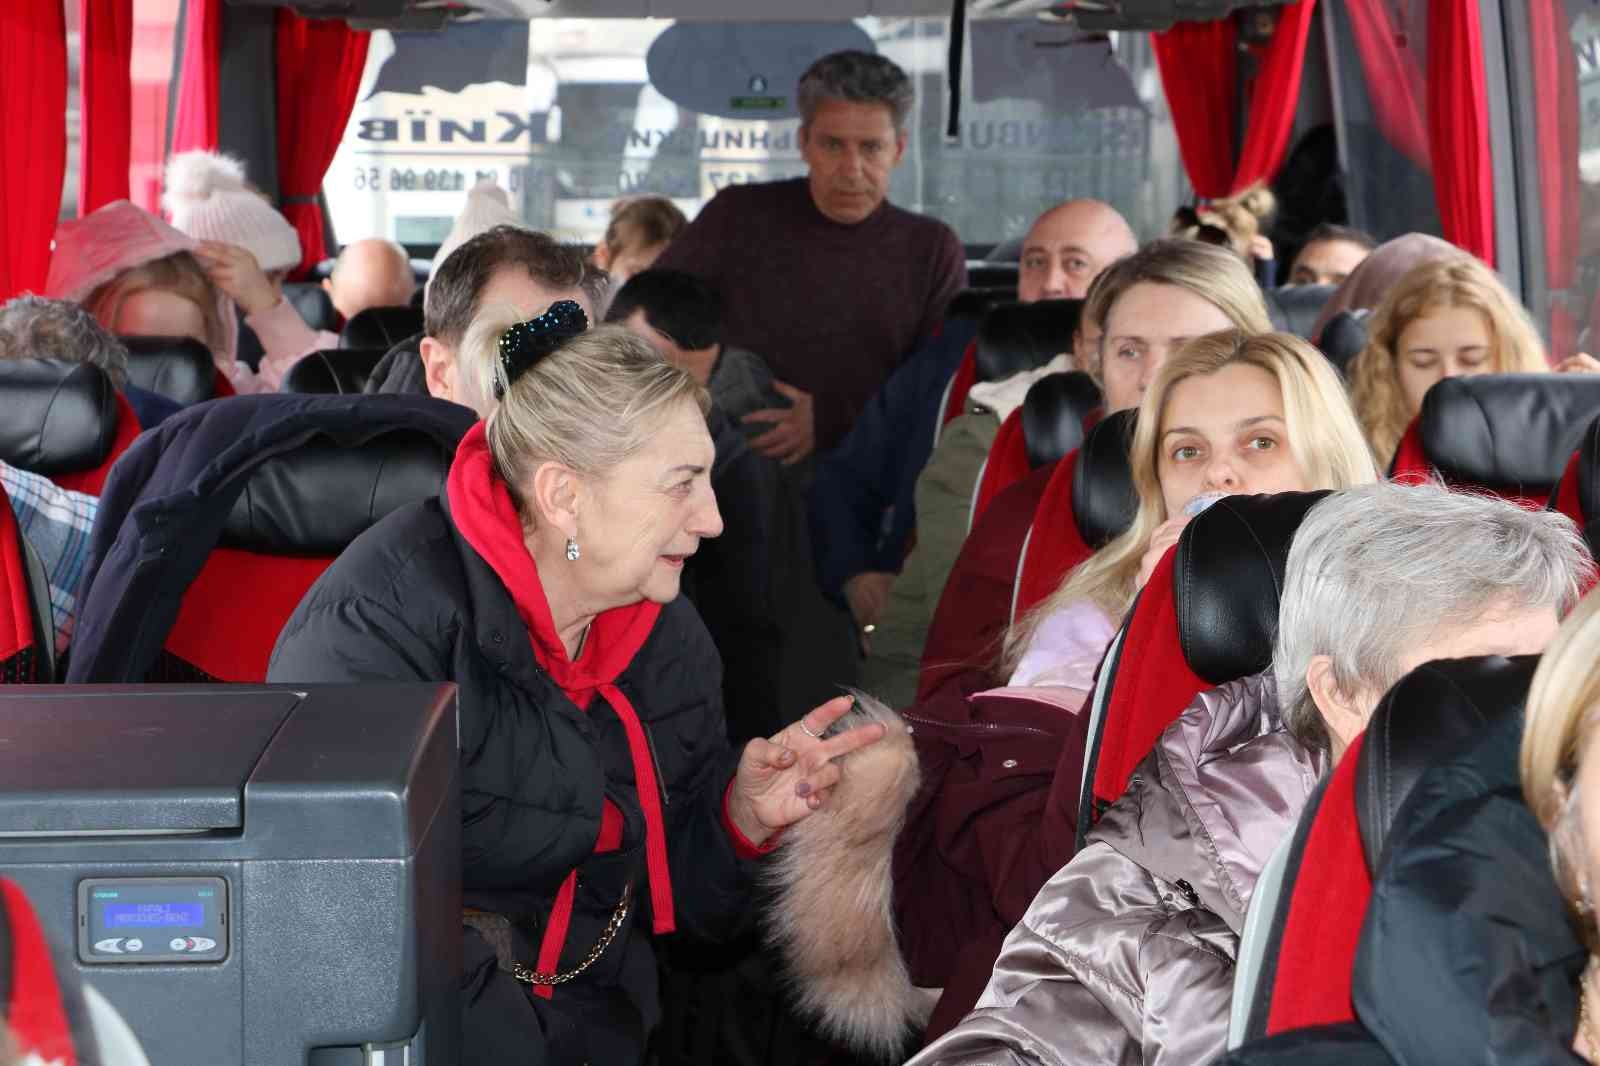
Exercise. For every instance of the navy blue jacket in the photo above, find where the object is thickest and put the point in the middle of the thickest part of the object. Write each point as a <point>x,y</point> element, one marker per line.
<point>169,495</point>
<point>862,501</point>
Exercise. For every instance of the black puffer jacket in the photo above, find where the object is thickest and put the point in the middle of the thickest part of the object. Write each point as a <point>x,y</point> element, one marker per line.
<point>1467,955</point>
<point>410,599</point>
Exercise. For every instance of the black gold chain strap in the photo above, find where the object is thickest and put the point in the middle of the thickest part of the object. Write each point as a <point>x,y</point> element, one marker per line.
<point>529,976</point>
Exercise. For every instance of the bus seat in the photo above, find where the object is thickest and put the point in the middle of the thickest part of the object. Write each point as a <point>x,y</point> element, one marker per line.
<point>993,275</point>
<point>1295,308</point>
<point>1089,501</point>
<point>1578,494</point>
<point>1309,945</point>
<point>311,303</point>
<point>27,631</point>
<point>1508,434</point>
<point>1006,465</point>
<point>1015,337</point>
<point>1056,413</point>
<point>1344,337</point>
<point>63,420</point>
<point>973,303</point>
<point>332,370</point>
<point>381,327</point>
<point>1213,626</point>
<point>955,393</point>
<point>179,368</point>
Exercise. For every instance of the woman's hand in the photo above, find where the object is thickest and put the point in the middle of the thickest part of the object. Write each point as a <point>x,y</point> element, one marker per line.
<point>1166,535</point>
<point>1582,363</point>
<point>782,780</point>
<point>235,271</point>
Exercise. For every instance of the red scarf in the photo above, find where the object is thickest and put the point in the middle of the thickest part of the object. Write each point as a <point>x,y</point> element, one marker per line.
<point>483,512</point>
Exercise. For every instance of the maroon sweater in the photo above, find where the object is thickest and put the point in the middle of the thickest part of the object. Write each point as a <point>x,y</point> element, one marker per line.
<point>832,308</point>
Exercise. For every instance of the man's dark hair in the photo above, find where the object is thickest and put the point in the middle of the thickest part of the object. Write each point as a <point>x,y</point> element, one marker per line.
<point>678,304</point>
<point>1330,231</point>
<point>458,284</point>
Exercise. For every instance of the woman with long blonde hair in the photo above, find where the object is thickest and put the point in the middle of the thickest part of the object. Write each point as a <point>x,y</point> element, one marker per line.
<point>1228,413</point>
<point>1446,318</point>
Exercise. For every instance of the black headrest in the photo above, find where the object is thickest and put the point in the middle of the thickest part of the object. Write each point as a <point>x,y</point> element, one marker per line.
<point>1053,414</point>
<point>319,497</point>
<point>1103,500</point>
<point>58,417</point>
<point>1343,337</point>
<point>1295,308</point>
<point>1588,475</point>
<point>179,368</point>
<point>973,303</point>
<point>1015,337</point>
<point>312,304</point>
<point>993,275</point>
<point>1508,432</point>
<point>381,327</point>
<point>1428,715</point>
<point>1229,579</point>
<point>332,370</point>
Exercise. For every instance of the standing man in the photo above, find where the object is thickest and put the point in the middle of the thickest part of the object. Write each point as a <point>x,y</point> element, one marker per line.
<point>822,276</point>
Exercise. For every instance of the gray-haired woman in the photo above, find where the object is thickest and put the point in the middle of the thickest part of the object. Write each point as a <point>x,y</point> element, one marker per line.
<point>1127,953</point>
<point>600,798</point>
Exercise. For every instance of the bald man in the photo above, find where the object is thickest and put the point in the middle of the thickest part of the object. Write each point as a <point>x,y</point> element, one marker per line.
<point>862,503</point>
<point>370,273</point>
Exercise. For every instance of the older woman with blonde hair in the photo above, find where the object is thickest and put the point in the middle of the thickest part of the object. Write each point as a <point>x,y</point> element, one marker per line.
<point>601,801</point>
<point>1229,413</point>
<point>1445,318</point>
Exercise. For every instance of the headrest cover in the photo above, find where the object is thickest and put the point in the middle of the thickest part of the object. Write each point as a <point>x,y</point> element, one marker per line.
<point>1103,501</point>
<point>59,417</point>
<point>1507,432</point>
<point>333,370</point>
<point>1228,580</point>
<point>1054,413</point>
<point>973,303</point>
<point>1015,337</point>
<point>179,368</point>
<point>319,497</point>
<point>994,275</point>
<point>1428,715</point>
<point>381,327</point>
<point>1295,308</point>
<point>1343,338</point>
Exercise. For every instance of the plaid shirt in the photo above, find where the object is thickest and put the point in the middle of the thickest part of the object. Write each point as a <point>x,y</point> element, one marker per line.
<point>57,523</point>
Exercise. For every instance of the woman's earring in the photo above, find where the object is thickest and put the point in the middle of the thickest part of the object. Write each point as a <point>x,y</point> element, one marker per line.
<point>572,549</point>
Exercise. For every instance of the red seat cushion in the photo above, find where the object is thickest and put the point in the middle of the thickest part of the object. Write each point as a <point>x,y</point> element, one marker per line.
<point>18,642</point>
<point>1007,464</point>
<point>233,611</point>
<point>1327,905</point>
<point>1151,684</point>
<point>1055,546</point>
<point>223,387</point>
<point>94,480</point>
<point>975,607</point>
<point>966,376</point>
<point>1566,498</point>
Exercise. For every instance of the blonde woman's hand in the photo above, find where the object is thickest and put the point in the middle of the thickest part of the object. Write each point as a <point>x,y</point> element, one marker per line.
<point>783,780</point>
<point>1166,535</point>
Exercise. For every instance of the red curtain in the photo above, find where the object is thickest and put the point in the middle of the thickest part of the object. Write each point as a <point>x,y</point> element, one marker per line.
<point>105,87</point>
<point>1198,63</point>
<point>1458,126</point>
<point>33,161</point>
<point>195,125</point>
<point>1555,79</point>
<point>1394,75</point>
<point>330,55</point>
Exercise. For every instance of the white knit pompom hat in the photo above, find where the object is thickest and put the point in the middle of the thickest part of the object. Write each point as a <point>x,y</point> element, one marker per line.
<point>487,206</point>
<point>208,198</point>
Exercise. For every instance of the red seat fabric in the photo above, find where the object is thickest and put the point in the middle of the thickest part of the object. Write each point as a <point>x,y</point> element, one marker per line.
<point>224,387</point>
<point>18,641</point>
<point>212,639</point>
<point>966,376</point>
<point>1055,546</point>
<point>93,481</point>
<point>1565,498</point>
<point>975,606</point>
<point>1007,465</point>
<point>1411,464</point>
<point>1327,905</point>
<point>1151,685</point>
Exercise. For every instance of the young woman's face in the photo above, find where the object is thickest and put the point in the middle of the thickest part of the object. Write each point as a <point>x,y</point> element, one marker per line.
<point>1447,342</point>
<point>1225,432</point>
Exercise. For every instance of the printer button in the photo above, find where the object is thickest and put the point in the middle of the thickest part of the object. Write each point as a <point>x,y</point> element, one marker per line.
<point>201,943</point>
<point>135,944</point>
<point>179,943</point>
<point>112,946</point>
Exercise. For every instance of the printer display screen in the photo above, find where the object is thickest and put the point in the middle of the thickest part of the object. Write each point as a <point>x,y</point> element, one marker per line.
<point>153,915</point>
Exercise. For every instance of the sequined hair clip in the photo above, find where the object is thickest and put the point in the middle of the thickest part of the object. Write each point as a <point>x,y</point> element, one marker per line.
<point>525,343</point>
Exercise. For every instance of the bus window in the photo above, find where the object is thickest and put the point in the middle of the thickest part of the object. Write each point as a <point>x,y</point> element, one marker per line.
<point>564,114</point>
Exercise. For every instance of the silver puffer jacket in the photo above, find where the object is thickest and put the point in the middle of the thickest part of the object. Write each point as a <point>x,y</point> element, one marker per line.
<point>1126,955</point>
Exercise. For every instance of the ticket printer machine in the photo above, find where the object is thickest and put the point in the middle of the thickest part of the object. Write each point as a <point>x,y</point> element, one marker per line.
<point>247,874</point>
